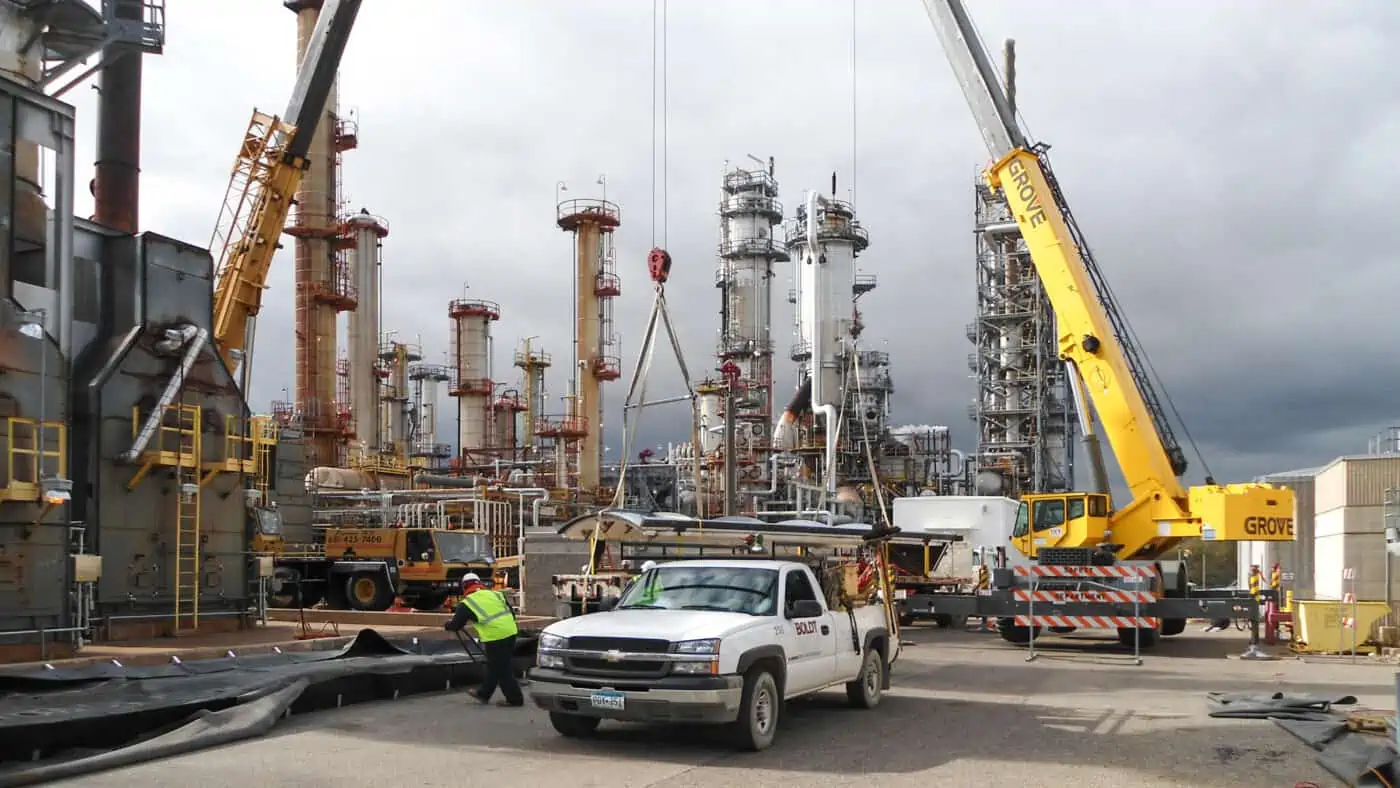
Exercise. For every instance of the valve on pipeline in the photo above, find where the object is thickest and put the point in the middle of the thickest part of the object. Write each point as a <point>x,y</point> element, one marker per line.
<point>659,265</point>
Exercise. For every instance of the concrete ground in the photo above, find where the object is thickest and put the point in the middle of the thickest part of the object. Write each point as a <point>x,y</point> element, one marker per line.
<point>965,710</point>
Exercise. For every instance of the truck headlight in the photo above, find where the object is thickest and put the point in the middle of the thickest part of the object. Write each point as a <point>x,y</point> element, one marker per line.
<point>701,657</point>
<point>697,647</point>
<point>549,643</point>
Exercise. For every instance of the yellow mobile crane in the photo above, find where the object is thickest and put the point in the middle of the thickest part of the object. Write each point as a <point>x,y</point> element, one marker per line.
<point>1080,540</point>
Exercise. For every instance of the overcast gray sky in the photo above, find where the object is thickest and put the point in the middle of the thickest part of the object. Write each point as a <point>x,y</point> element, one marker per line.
<point>1227,162</point>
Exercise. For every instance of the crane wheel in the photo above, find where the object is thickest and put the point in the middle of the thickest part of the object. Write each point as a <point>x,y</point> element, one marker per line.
<point>369,591</point>
<point>1011,633</point>
<point>1173,626</point>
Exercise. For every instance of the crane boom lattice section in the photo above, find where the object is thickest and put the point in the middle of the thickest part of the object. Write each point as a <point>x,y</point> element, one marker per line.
<point>245,237</point>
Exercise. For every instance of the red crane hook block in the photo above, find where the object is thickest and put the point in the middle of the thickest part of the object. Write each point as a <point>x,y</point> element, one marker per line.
<point>659,264</point>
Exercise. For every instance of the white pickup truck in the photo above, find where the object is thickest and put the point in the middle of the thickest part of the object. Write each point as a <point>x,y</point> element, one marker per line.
<point>711,641</point>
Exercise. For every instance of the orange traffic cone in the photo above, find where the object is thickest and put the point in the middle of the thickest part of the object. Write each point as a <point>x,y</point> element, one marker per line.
<point>399,606</point>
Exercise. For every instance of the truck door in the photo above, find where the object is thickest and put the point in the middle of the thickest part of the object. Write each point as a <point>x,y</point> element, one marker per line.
<point>810,642</point>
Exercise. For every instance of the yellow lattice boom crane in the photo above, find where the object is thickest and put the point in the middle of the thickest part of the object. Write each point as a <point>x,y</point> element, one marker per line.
<point>266,173</point>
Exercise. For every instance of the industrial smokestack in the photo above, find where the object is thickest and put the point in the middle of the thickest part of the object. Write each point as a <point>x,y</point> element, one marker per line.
<point>833,189</point>
<point>117,186</point>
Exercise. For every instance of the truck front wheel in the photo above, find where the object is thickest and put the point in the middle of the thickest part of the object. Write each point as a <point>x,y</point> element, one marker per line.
<point>573,726</point>
<point>758,711</point>
<point>864,691</point>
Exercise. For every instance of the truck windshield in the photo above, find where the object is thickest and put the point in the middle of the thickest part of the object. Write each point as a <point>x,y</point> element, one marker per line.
<point>737,589</point>
<point>463,547</point>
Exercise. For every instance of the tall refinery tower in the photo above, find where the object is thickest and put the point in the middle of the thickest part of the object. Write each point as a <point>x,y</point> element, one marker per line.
<point>749,210</point>
<point>592,222</point>
<point>825,237</point>
<point>323,287</point>
<point>471,375</point>
<point>1024,412</point>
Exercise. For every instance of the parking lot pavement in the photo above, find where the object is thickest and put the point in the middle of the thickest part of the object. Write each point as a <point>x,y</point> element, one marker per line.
<point>965,709</point>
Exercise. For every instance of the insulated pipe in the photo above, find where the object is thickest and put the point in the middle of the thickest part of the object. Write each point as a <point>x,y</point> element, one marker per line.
<point>1001,228</point>
<point>447,481</point>
<point>829,417</point>
<point>157,415</point>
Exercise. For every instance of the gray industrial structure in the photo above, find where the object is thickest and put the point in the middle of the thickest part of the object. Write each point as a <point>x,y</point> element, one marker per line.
<point>130,457</point>
<point>1024,410</point>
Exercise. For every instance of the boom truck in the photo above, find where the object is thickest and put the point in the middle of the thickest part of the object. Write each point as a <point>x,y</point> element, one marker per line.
<point>1094,564</point>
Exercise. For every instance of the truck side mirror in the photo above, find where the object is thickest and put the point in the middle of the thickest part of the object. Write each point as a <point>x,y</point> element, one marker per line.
<point>607,603</point>
<point>805,608</point>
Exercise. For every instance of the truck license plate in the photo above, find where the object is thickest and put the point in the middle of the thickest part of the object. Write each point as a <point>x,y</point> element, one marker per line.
<point>612,701</point>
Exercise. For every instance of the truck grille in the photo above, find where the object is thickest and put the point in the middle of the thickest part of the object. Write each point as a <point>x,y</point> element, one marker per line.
<point>601,666</point>
<point>590,666</point>
<point>635,645</point>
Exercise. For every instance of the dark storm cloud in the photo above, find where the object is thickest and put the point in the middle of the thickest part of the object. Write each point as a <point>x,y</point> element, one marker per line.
<point>1226,161</point>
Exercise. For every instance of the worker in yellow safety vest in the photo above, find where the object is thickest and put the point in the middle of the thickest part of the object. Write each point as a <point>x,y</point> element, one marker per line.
<point>496,629</point>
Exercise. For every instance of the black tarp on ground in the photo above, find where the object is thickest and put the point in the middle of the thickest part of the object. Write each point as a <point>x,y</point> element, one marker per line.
<point>1358,759</point>
<point>48,712</point>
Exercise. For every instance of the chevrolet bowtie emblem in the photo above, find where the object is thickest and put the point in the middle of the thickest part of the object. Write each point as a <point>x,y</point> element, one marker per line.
<point>613,656</point>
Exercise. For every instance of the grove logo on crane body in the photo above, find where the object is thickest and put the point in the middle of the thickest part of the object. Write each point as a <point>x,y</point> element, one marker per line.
<point>1269,526</point>
<point>1025,192</point>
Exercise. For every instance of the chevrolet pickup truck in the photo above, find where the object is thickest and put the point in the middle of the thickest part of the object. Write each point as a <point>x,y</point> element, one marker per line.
<point>722,642</point>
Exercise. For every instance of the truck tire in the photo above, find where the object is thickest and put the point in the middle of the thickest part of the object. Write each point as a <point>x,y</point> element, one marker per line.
<point>1146,637</point>
<point>759,709</point>
<point>864,691</point>
<point>1173,626</point>
<point>368,591</point>
<point>573,726</point>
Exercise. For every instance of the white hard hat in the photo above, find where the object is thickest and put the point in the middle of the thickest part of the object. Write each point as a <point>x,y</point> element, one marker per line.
<point>470,577</point>
<point>648,566</point>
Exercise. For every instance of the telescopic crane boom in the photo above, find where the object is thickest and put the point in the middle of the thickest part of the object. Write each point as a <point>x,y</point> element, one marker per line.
<point>266,173</point>
<point>1104,364</point>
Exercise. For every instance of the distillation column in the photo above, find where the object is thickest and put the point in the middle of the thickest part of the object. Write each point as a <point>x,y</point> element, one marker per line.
<point>1026,417</point>
<point>362,327</point>
<point>825,297</point>
<point>532,363</point>
<point>749,210</point>
<point>322,284</point>
<point>395,406</point>
<point>471,374</point>
<point>592,222</point>
<point>427,380</point>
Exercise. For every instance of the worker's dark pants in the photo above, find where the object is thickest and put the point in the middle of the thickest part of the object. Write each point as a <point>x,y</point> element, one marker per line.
<point>499,672</point>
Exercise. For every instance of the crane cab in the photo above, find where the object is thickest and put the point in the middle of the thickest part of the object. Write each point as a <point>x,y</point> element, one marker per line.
<point>1059,520</point>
